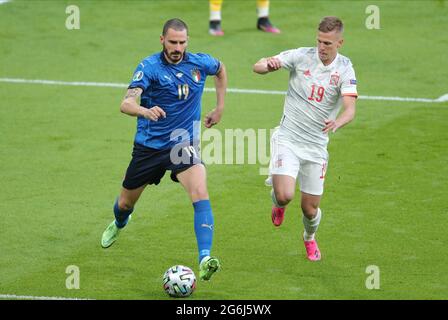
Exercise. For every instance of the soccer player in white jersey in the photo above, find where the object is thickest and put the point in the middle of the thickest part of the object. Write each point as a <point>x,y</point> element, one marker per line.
<point>321,81</point>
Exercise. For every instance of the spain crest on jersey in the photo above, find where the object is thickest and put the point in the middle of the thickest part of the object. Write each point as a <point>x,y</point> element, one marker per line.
<point>196,75</point>
<point>334,79</point>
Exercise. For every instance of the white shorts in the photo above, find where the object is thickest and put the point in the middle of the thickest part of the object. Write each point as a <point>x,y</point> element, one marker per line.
<point>304,162</point>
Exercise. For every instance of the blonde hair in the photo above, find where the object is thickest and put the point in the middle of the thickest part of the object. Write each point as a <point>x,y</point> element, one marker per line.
<point>329,24</point>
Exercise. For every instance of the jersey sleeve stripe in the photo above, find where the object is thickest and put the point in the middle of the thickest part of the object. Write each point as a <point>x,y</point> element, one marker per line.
<point>219,67</point>
<point>132,86</point>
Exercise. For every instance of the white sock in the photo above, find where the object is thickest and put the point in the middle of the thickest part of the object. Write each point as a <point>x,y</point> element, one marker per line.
<point>274,200</point>
<point>311,225</point>
<point>263,12</point>
<point>215,15</point>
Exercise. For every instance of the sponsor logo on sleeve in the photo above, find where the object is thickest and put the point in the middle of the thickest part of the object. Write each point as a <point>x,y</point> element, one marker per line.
<point>138,76</point>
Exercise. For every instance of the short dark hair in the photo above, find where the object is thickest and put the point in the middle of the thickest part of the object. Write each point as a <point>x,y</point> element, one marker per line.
<point>329,24</point>
<point>175,24</point>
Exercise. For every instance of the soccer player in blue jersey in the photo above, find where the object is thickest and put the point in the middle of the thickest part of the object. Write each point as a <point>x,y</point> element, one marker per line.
<point>169,85</point>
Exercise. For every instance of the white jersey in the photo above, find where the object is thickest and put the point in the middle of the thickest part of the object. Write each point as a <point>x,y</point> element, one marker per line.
<point>314,94</point>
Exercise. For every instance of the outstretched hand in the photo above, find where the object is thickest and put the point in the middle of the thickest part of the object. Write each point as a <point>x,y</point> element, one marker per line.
<point>212,118</point>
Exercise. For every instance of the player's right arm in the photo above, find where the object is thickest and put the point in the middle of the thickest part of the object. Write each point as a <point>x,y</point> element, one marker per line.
<point>130,106</point>
<point>265,65</point>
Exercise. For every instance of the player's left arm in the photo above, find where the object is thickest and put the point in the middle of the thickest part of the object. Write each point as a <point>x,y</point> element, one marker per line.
<point>347,115</point>
<point>215,115</point>
<point>266,65</point>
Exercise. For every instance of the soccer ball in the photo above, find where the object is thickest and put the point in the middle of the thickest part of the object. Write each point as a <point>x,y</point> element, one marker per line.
<point>179,281</point>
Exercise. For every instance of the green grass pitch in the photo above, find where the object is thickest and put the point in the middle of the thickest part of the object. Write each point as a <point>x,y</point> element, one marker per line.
<point>64,151</point>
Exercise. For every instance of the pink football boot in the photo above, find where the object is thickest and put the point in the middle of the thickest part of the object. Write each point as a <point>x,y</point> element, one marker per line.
<point>264,24</point>
<point>278,214</point>
<point>312,250</point>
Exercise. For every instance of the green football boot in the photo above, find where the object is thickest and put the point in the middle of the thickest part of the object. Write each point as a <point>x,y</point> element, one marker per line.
<point>207,267</point>
<point>111,233</point>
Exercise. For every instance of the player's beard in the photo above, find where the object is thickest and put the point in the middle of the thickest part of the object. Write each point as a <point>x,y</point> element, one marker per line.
<point>174,56</point>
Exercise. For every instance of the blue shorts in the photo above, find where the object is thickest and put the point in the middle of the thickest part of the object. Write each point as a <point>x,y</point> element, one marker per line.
<point>149,165</point>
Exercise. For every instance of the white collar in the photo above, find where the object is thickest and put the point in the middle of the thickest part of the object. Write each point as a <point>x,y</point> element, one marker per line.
<point>321,64</point>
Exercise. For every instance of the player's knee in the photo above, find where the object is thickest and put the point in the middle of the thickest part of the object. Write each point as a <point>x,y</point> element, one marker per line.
<point>125,205</point>
<point>284,197</point>
<point>198,193</point>
<point>310,209</point>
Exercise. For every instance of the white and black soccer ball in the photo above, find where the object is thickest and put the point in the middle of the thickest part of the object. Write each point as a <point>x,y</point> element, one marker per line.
<point>179,281</point>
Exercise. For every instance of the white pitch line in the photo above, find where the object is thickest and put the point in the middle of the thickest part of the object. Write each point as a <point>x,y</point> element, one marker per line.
<point>64,83</point>
<point>443,98</point>
<point>398,99</point>
<point>255,91</point>
<point>16,297</point>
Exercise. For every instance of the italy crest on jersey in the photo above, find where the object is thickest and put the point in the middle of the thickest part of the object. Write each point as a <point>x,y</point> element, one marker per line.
<point>196,75</point>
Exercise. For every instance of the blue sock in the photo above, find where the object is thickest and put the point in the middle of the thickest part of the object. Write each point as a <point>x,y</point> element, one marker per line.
<point>203,227</point>
<point>121,217</point>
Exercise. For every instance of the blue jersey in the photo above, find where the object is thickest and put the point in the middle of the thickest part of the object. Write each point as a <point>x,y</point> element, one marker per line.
<point>177,89</point>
